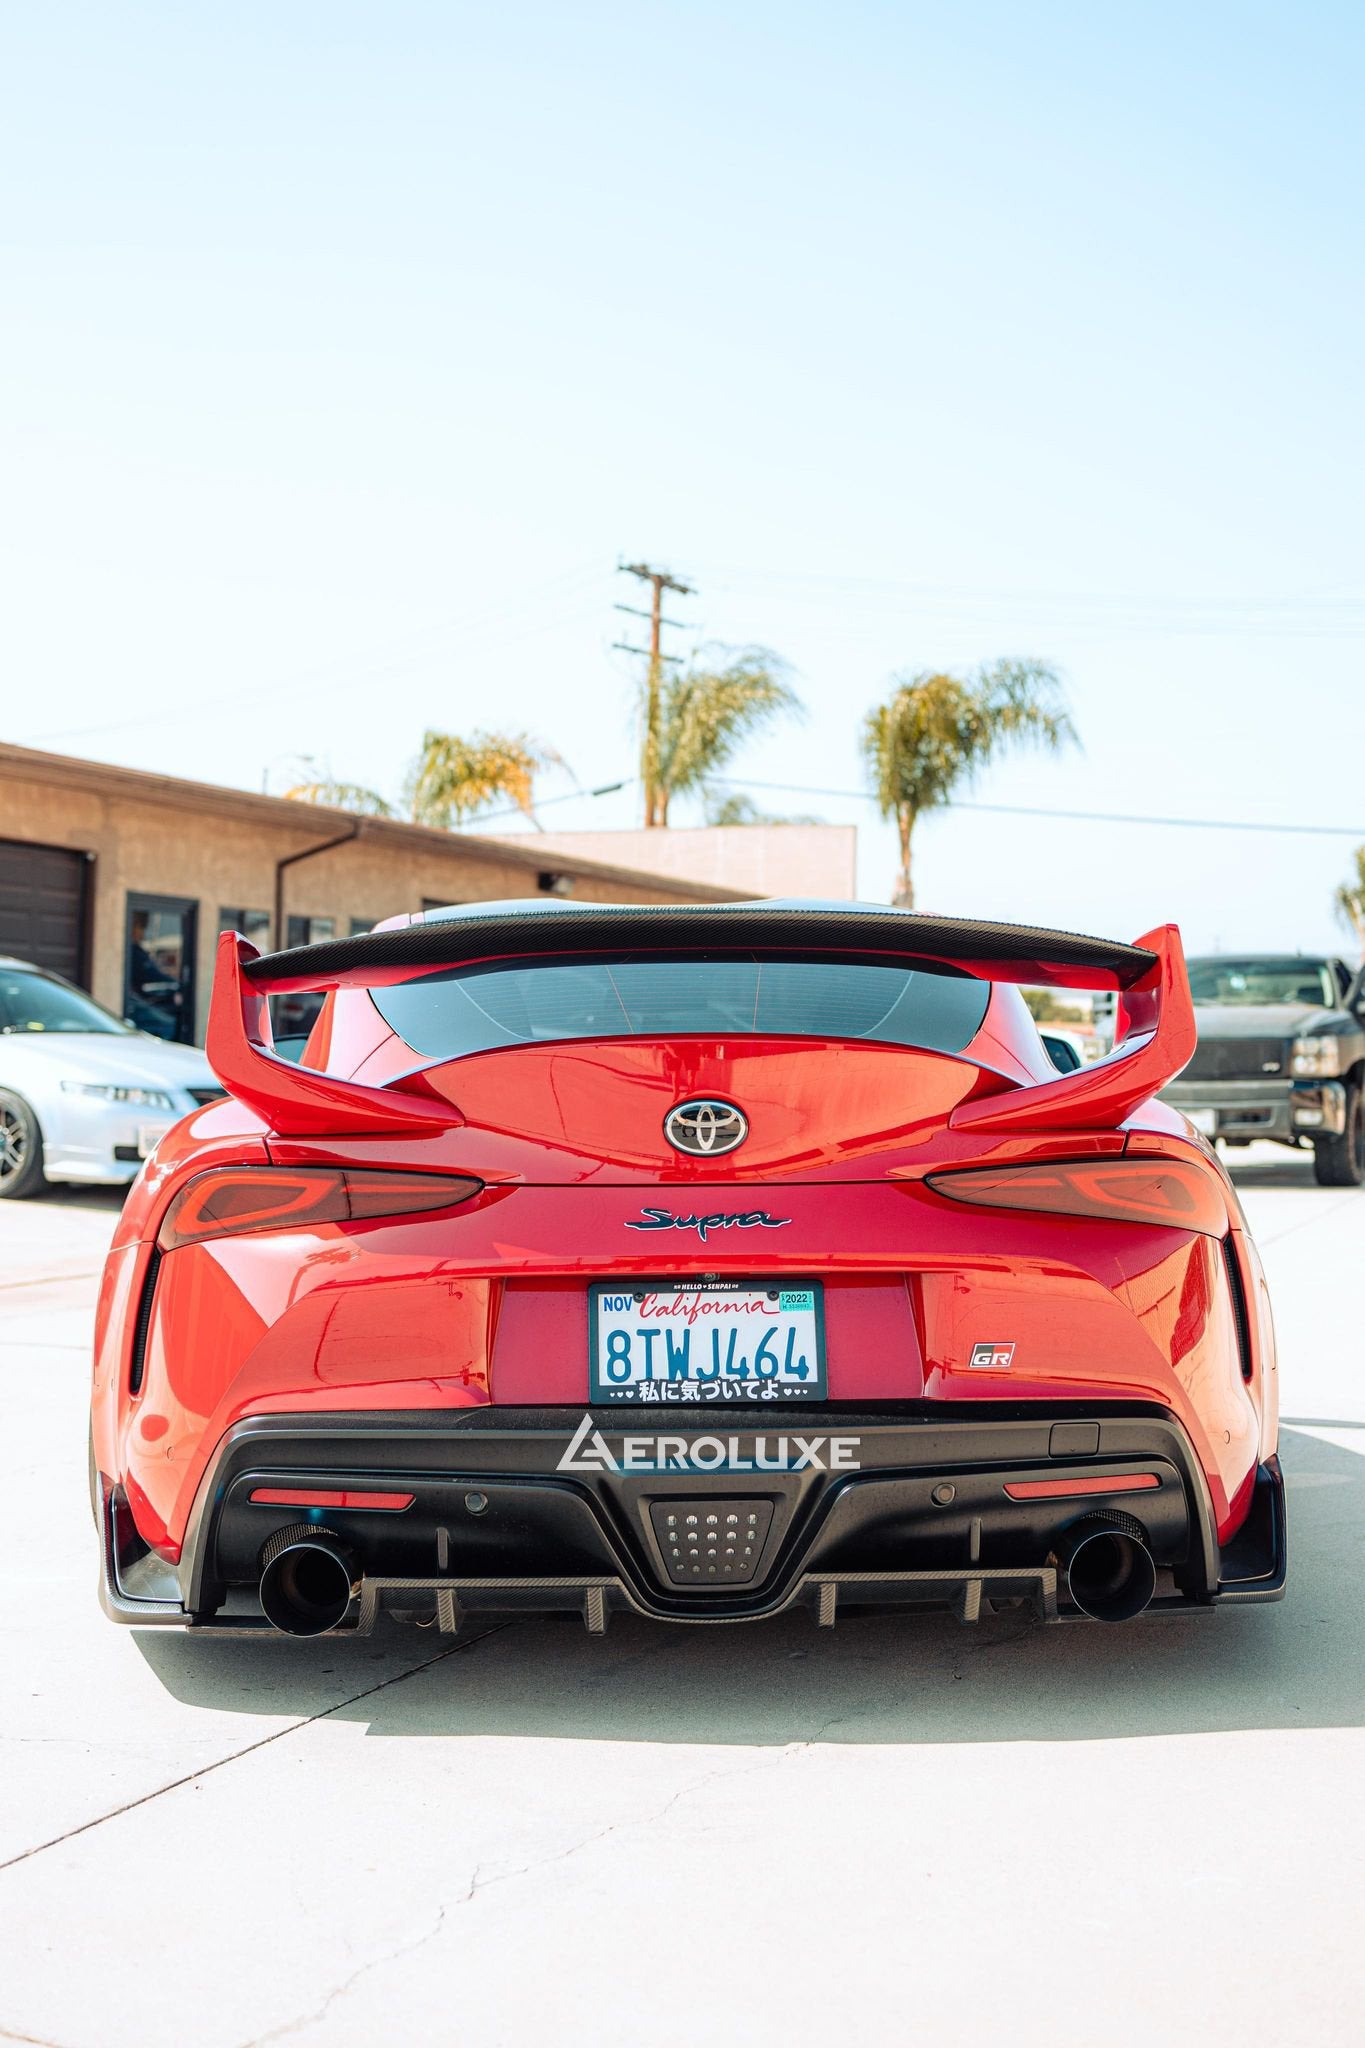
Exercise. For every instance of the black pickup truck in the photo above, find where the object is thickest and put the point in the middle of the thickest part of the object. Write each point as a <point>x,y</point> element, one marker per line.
<point>1281,1055</point>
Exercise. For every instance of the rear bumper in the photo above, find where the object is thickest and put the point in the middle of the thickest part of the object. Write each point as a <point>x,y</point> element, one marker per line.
<point>547,1509</point>
<point>98,1169</point>
<point>1286,1111</point>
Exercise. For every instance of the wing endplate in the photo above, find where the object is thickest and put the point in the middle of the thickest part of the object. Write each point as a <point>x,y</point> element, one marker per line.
<point>1154,1039</point>
<point>294,1101</point>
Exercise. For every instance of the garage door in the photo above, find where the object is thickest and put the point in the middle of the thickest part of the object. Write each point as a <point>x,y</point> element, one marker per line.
<point>42,906</point>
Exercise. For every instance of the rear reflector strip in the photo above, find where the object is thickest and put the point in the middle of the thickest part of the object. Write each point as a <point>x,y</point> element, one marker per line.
<point>294,1497</point>
<point>1064,1489</point>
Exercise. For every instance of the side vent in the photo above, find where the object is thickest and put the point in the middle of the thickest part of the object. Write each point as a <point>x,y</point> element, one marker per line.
<point>1239,1305</point>
<point>143,1324</point>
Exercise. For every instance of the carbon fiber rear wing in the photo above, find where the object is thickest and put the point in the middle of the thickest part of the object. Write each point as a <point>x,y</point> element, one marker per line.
<point>1156,1022</point>
<point>1000,952</point>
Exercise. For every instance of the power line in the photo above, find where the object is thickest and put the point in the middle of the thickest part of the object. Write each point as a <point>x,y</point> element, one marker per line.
<point>566,585</point>
<point>636,613</point>
<point>1336,610</point>
<point>1083,817</point>
<point>480,819</point>
<point>1188,824</point>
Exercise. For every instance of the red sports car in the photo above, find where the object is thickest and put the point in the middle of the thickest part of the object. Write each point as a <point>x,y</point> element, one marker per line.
<point>697,1262</point>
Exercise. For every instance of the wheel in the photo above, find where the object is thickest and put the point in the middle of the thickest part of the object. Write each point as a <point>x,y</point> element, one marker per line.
<point>21,1149</point>
<point>1340,1162</point>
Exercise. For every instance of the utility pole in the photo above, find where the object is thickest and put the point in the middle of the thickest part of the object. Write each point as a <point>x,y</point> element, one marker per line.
<point>659,580</point>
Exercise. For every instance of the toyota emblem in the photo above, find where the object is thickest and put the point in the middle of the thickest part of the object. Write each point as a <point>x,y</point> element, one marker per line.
<point>705,1127</point>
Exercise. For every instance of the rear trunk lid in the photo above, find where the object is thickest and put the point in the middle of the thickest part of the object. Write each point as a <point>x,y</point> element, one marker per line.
<point>596,1112</point>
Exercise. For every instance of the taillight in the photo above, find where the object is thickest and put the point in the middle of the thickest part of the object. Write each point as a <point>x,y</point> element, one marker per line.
<point>231,1200</point>
<point>1168,1192</point>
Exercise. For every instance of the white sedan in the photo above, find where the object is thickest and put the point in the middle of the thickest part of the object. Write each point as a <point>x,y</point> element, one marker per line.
<point>83,1096</point>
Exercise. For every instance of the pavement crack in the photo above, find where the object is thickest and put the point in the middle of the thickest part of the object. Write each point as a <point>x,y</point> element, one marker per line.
<point>479,1883</point>
<point>785,1755</point>
<point>250,1748</point>
<point>390,1955</point>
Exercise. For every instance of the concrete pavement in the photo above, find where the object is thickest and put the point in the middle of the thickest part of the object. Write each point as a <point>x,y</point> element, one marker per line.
<point>903,1829</point>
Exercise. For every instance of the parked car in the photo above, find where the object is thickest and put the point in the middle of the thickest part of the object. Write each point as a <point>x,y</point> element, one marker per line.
<point>697,1261</point>
<point>83,1095</point>
<point>1281,1055</point>
<point>1064,1048</point>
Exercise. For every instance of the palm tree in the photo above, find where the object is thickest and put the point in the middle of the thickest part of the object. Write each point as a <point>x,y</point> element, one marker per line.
<point>935,731</point>
<point>739,809</point>
<point>451,779</point>
<point>339,796</point>
<point>1350,901</point>
<point>695,721</point>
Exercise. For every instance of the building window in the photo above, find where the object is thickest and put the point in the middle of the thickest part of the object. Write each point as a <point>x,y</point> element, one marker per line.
<point>158,972</point>
<point>359,927</point>
<point>309,931</point>
<point>293,1016</point>
<point>252,924</point>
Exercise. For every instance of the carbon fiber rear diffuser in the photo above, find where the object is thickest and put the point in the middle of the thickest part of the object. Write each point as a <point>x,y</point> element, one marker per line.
<point>963,1592</point>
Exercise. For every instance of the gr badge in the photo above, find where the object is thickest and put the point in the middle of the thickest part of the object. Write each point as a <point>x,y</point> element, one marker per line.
<point>992,1357</point>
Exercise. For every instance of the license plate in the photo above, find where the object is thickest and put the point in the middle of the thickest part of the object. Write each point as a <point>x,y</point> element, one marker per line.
<point>707,1340</point>
<point>149,1136</point>
<point>1205,1120</point>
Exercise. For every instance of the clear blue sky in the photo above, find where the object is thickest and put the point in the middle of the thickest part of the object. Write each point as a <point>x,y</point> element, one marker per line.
<point>344,349</point>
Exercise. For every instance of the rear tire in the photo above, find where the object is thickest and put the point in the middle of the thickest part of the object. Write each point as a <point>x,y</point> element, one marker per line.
<point>1340,1162</point>
<point>21,1149</point>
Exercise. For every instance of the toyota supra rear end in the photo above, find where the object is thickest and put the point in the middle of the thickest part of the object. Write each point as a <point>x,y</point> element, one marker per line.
<point>692,1262</point>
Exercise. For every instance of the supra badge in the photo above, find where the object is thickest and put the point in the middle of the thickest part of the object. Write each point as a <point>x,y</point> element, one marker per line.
<point>705,1127</point>
<point>722,1219</point>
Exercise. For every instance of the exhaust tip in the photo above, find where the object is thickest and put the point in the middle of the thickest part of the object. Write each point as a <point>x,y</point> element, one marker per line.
<point>1110,1571</point>
<point>308,1581</point>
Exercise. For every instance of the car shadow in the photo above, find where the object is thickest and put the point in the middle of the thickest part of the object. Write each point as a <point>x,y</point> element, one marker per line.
<point>69,1195</point>
<point>875,1678</point>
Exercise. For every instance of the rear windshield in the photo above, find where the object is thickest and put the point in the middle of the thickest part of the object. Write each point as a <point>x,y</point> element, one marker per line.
<point>476,1009</point>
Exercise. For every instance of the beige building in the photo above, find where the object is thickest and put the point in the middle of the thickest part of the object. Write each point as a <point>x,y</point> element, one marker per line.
<point>756,860</point>
<point>121,880</point>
